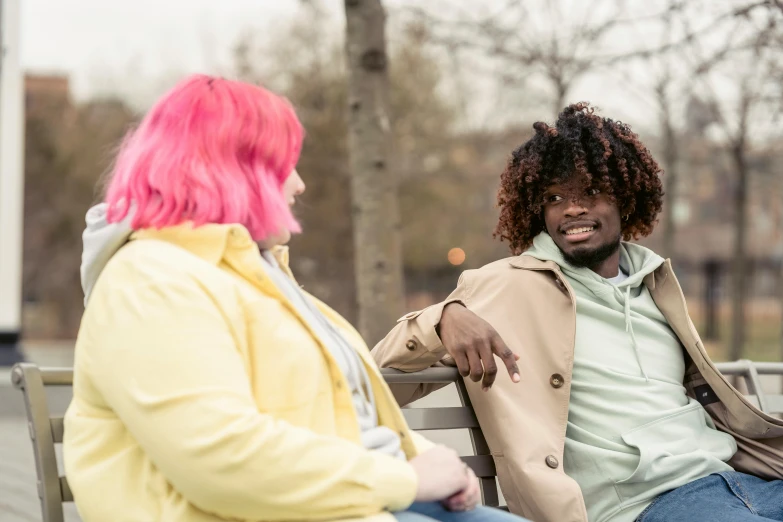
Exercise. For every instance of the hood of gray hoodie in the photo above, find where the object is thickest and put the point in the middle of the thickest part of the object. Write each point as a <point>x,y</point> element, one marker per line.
<point>101,240</point>
<point>635,260</point>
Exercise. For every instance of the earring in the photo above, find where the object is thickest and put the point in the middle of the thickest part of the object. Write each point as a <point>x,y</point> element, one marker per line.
<point>625,217</point>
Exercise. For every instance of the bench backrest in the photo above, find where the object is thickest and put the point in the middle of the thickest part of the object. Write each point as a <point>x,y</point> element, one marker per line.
<point>751,371</point>
<point>463,417</point>
<point>482,463</point>
<point>45,431</point>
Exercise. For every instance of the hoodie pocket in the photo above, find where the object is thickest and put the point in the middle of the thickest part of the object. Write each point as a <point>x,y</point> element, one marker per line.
<point>672,447</point>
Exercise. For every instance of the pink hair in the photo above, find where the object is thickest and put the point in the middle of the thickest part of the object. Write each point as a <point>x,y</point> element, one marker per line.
<point>210,151</point>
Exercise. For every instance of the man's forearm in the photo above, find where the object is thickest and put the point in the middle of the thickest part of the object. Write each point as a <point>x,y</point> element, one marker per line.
<point>413,345</point>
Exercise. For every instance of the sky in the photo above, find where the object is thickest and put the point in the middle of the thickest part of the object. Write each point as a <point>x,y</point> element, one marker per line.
<point>137,49</point>
<point>102,44</point>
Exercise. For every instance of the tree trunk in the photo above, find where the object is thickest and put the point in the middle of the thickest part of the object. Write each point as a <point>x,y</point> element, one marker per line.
<point>739,268</point>
<point>779,272</point>
<point>711,282</point>
<point>561,90</point>
<point>739,293</point>
<point>376,230</point>
<point>670,158</point>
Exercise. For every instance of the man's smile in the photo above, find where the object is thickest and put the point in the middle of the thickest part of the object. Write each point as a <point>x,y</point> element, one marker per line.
<point>579,231</point>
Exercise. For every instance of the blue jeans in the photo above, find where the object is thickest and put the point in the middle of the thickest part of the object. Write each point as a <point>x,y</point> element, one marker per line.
<point>723,497</point>
<point>429,511</point>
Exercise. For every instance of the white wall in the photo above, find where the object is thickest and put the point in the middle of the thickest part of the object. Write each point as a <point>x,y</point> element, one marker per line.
<point>11,170</point>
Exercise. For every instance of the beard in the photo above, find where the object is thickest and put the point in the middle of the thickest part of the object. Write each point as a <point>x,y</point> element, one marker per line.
<point>591,257</point>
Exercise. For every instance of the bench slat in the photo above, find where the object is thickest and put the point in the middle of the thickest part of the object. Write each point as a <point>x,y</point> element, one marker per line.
<point>774,404</point>
<point>482,465</point>
<point>440,418</point>
<point>429,376</point>
<point>58,429</point>
<point>65,490</point>
<point>753,399</point>
<point>57,376</point>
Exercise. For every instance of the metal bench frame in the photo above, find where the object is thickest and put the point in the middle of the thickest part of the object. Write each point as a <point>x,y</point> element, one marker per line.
<point>423,419</point>
<point>47,431</point>
<point>750,372</point>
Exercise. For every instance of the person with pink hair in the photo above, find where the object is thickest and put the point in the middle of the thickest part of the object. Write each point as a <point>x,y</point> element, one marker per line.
<point>208,386</point>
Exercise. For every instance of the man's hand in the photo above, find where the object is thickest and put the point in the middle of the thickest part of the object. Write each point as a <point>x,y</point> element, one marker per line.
<point>473,344</point>
<point>466,499</point>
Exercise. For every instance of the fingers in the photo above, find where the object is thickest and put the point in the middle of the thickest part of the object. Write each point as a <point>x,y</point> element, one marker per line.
<point>508,357</point>
<point>466,499</point>
<point>473,350</point>
<point>456,502</point>
<point>490,367</point>
<point>473,495</point>
<point>461,359</point>
<point>474,499</point>
<point>476,368</point>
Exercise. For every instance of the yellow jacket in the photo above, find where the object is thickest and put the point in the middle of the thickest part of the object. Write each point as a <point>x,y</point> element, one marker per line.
<point>200,395</point>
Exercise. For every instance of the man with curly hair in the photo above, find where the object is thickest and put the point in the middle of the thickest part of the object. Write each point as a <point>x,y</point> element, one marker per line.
<point>613,411</point>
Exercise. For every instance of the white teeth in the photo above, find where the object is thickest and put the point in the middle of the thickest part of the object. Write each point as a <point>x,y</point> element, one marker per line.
<point>579,230</point>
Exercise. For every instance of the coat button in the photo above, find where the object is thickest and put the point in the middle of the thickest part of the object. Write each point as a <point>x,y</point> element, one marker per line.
<point>552,462</point>
<point>556,380</point>
<point>411,345</point>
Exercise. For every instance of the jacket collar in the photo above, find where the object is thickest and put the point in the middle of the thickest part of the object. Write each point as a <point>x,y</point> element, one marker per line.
<point>210,242</point>
<point>531,263</point>
<point>659,276</point>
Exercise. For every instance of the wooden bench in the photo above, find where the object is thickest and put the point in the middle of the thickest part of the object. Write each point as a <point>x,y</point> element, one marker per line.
<point>46,431</point>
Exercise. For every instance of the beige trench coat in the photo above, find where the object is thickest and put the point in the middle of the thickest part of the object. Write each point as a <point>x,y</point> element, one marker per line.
<point>533,308</point>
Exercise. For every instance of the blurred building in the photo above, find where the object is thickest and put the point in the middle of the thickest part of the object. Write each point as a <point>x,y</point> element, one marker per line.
<point>46,93</point>
<point>47,86</point>
<point>67,149</point>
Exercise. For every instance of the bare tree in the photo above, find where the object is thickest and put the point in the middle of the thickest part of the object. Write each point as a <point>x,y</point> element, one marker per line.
<point>67,149</point>
<point>671,152</point>
<point>378,257</point>
<point>307,63</point>
<point>727,45</point>
<point>534,41</point>
<point>747,60</point>
<point>663,87</point>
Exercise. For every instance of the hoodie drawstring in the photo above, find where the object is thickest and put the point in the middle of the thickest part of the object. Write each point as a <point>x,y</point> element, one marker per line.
<point>629,329</point>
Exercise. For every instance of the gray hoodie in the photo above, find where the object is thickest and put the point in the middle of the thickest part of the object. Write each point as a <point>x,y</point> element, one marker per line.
<point>635,260</point>
<point>101,240</point>
<point>632,432</point>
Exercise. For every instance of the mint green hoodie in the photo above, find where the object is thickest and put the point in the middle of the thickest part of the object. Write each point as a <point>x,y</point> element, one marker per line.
<point>632,432</point>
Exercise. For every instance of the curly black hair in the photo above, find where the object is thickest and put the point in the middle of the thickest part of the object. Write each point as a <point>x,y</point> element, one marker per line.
<point>606,152</point>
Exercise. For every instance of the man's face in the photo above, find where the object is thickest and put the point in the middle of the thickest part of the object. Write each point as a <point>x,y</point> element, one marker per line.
<point>584,223</point>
